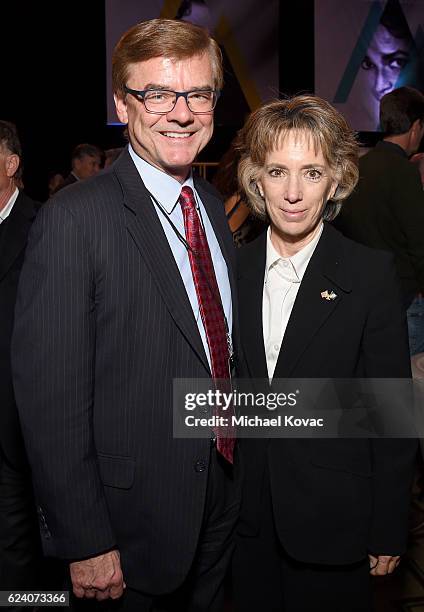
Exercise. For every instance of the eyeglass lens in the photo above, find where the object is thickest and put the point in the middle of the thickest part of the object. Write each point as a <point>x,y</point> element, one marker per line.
<point>164,101</point>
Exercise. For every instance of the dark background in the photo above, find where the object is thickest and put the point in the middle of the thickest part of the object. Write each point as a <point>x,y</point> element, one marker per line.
<point>53,79</point>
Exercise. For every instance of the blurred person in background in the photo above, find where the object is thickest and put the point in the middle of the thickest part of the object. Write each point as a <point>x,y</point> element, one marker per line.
<point>55,180</point>
<point>111,155</point>
<point>244,226</point>
<point>418,159</point>
<point>86,161</point>
<point>386,210</point>
<point>21,564</point>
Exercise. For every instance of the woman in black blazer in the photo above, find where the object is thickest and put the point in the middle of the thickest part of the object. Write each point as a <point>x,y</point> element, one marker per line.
<point>318,515</point>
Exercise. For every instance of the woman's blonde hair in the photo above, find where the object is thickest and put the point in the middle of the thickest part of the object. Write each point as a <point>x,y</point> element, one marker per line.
<point>266,129</point>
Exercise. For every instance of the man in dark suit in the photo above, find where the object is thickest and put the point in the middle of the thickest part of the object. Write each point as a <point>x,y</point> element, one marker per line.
<point>316,514</point>
<point>20,549</point>
<point>386,210</point>
<point>128,284</point>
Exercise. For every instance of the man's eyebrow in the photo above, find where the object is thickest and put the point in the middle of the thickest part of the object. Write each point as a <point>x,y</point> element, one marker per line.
<point>395,54</point>
<point>155,86</point>
<point>202,88</point>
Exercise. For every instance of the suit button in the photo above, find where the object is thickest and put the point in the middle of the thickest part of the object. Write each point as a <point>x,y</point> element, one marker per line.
<point>200,466</point>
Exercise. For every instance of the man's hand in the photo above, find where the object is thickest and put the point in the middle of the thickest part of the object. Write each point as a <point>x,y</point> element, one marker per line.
<point>382,565</point>
<point>99,577</point>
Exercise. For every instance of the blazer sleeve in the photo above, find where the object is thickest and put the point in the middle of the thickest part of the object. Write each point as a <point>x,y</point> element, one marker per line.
<point>386,355</point>
<point>53,361</point>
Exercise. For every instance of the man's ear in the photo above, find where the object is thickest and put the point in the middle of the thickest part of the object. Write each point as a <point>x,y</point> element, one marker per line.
<point>416,126</point>
<point>76,164</point>
<point>121,109</point>
<point>12,164</point>
<point>416,132</point>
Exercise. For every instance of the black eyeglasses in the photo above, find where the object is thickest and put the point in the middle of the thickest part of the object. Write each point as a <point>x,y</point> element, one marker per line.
<point>163,101</point>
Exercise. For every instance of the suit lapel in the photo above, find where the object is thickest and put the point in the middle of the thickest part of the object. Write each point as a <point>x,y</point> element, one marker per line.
<point>251,282</point>
<point>220,226</point>
<point>215,211</point>
<point>16,233</point>
<point>327,271</point>
<point>146,230</point>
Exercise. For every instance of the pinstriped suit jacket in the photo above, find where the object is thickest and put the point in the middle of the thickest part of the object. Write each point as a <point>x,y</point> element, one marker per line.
<point>103,325</point>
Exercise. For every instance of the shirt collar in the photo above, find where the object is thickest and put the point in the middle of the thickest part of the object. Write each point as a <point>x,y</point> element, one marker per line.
<point>298,262</point>
<point>6,210</point>
<point>162,186</point>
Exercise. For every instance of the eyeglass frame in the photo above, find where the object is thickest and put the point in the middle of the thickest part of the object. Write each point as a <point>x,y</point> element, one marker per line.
<point>140,93</point>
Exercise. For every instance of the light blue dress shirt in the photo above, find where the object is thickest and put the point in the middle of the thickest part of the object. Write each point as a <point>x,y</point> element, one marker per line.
<point>167,190</point>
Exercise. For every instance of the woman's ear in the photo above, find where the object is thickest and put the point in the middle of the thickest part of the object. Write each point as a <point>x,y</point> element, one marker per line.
<point>333,190</point>
<point>260,189</point>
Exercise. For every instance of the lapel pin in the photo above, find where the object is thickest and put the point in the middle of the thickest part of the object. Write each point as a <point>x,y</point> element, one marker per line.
<point>328,296</point>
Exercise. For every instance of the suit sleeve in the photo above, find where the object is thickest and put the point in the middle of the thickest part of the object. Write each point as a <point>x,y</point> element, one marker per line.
<point>53,361</point>
<point>386,355</point>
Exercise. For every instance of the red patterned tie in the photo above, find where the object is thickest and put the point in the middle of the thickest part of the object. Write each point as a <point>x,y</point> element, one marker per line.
<point>210,306</point>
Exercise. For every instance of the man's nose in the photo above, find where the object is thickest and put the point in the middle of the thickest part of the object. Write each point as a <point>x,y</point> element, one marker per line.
<point>384,81</point>
<point>181,112</point>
